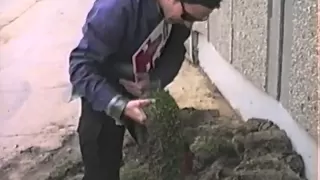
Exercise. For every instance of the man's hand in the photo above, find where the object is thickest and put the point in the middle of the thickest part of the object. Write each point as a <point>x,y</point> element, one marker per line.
<point>134,110</point>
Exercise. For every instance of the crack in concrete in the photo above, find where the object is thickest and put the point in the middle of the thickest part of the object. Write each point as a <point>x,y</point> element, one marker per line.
<point>54,87</point>
<point>20,15</point>
<point>25,135</point>
<point>34,134</point>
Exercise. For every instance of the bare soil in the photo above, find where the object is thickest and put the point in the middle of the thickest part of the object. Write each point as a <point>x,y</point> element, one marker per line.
<point>223,146</point>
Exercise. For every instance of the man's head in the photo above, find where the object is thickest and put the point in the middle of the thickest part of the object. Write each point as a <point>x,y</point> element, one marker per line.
<point>188,11</point>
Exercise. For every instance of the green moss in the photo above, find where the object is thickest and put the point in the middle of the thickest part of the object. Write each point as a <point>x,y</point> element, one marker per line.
<point>132,171</point>
<point>166,142</point>
<point>216,146</point>
<point>65,169</point>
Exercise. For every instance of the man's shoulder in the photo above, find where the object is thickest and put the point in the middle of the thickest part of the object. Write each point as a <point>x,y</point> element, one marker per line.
<point>114,5</point>
<point>105,10</point>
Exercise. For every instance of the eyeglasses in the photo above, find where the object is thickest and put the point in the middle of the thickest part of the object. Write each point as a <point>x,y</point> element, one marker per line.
<point>186,16</point>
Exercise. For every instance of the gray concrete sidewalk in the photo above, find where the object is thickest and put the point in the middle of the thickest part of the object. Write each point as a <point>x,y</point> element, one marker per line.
<point>35,40</point>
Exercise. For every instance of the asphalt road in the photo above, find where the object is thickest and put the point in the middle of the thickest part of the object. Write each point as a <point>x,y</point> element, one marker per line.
<point>35,40</point>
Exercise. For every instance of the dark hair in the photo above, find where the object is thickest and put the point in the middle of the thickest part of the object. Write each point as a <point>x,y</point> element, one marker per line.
<point>212,4</point>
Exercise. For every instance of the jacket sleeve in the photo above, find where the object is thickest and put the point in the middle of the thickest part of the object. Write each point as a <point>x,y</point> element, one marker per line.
<point>173,55</point>
<point>102,32</point>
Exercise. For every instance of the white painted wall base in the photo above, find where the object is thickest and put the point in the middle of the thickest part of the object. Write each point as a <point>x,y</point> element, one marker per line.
<point>249,101</point>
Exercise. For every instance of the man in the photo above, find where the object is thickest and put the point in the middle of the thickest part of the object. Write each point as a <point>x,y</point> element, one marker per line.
<point>121,40</point>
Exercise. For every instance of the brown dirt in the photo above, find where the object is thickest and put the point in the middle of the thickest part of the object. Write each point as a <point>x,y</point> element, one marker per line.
<point>223,146</point>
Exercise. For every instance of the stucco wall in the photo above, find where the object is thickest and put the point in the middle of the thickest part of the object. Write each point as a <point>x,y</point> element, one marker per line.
<point>302,74</point>
<point>273,43</point>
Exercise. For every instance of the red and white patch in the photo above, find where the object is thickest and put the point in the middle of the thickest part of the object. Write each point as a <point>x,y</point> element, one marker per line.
<point>150,50</point>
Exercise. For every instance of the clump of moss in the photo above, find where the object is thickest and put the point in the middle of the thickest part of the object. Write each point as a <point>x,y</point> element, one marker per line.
<point>214,145</point>
<point>65,169</point>
<point>256,149</point>
<point>133,171</point>
<point>166,144</point>
<point>208,149</point>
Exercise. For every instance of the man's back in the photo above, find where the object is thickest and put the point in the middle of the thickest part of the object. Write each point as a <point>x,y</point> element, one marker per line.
<point>132,21</point>
<point>114,42</point>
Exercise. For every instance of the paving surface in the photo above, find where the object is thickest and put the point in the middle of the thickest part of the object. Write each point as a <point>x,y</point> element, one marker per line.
<point>35,40</point>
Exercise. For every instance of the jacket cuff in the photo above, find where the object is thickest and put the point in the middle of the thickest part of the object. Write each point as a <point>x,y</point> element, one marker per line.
<point>116,107</point>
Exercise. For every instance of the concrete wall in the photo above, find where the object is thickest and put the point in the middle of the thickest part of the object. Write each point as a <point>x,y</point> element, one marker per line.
<point>273,43</point>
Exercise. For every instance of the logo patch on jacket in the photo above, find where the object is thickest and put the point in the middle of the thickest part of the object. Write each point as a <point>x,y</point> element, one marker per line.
<point>150,50</point>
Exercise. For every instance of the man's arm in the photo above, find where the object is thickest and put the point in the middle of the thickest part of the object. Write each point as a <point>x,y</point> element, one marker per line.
<point>170,62</point>
<point>104,28</point>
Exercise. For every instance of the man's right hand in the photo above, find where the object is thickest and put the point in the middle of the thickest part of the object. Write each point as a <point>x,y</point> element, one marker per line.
<point>134,110</point>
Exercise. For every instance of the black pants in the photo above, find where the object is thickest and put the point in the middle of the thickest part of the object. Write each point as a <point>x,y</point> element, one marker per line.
<point>101,142</point>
